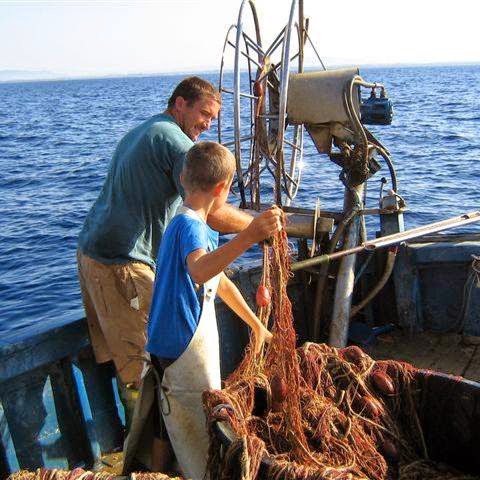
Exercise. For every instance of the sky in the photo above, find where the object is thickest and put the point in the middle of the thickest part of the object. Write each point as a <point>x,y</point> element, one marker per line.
<point>77,38</point>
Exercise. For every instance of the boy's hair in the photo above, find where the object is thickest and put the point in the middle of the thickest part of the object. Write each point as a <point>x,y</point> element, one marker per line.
<point>206,164</point>
<point>192,89</point>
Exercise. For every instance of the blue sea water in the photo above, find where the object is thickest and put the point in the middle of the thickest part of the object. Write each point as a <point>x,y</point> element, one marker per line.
<point>56,139</point>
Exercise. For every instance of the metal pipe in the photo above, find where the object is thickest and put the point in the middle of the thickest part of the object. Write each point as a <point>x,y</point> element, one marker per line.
<point>301,42</point>
<point>391,240</point>
<point>301,225</point>
<point>461,220</point>
<point>274,45</point>
<point>345,276</point>
<point>322,277</point>
<point>389,264</point>
<point>315,50</point>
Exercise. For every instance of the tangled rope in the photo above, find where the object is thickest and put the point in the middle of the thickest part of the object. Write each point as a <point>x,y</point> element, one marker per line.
<point>316,412</point>
<point>80,474</point>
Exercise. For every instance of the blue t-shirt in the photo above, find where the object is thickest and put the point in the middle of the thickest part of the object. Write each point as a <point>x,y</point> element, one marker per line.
<point>177,303</point>
<point>140,195</point>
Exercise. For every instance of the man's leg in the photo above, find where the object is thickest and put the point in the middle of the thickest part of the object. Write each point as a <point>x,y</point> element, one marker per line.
<point>162,451</point>
<point>120,296</point>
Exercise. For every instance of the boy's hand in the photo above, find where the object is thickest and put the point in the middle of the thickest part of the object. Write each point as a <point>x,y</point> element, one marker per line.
<point>265,225</point>
<point>261,335</point>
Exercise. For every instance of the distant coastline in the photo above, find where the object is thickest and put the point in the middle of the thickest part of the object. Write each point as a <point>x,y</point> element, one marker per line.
<point>21,76</point>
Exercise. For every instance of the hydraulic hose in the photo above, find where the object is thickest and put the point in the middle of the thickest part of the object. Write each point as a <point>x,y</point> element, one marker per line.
<point>389,264</point>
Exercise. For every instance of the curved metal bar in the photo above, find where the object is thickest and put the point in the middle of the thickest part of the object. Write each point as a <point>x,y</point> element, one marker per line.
<point>236,104</point>
<point>237,86</point>
<point>220,81</point>
<point>290,189</point>
<point>389,264</point>
<point>391,168</point>
<point>282,108</point>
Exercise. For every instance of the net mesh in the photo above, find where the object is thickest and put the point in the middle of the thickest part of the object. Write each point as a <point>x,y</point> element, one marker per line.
<point>315,412</point>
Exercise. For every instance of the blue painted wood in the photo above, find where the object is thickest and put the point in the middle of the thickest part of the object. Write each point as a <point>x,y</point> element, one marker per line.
<point>4,466</point>
<point>30,415</point>
<point>20,354</point>
<point>441,295</point>
<point>74,442</point>
<point>443,252</point>
<point>59,409</point>
<point>94,382</point>
<point>87,413</point>
<point>430,280</point>
<point>406,292</point>
<point>8,458</point>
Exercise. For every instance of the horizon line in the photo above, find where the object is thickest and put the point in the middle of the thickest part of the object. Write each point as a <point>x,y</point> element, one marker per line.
<point>89,76</point>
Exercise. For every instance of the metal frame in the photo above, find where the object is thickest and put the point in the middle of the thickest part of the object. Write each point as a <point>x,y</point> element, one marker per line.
<point>283,160</point>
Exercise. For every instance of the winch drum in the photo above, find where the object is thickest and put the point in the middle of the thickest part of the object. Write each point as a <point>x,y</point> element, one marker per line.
<point>318,97</point>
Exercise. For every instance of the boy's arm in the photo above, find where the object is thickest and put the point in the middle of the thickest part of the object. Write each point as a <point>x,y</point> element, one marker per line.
<point>230,294</point>
<point>203,266</point>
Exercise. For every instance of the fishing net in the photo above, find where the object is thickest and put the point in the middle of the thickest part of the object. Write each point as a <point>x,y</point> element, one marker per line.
<point>81,474</point>
<point>316,412</point>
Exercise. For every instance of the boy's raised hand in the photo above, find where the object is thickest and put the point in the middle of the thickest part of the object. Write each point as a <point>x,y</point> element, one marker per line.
<point>265,225</point>
<point>261,335</point>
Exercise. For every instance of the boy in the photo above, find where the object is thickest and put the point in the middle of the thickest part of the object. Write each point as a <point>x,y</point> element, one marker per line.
<point>182,329</point>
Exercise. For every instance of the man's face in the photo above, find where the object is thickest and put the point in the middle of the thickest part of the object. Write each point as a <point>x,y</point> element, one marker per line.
<point>196,118</point>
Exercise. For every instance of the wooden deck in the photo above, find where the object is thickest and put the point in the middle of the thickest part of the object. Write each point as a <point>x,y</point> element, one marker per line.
<point>443,352</point>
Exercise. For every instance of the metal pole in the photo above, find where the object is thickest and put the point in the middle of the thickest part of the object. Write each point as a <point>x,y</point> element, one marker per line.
<point>346,276</point>
<point>301,42</point>
<point>388,240</point>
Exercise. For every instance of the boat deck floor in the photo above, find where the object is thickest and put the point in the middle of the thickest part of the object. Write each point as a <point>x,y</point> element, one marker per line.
<point>111,463</point>
<point>444,352</point>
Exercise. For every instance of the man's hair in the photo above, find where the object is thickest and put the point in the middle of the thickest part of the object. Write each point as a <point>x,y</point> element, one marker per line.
<point>192,89</point>
<point>206,164</point>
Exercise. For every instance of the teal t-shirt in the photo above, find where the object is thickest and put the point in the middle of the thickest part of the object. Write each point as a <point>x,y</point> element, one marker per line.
<point>140,195</point>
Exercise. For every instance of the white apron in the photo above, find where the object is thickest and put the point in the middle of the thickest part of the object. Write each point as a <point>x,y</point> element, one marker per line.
<point>196,370</point>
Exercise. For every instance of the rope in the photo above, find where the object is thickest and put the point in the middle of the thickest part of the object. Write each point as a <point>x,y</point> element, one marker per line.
<point>473,279</point>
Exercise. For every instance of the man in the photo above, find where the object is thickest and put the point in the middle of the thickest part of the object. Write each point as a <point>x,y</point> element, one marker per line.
<point>119,241</point>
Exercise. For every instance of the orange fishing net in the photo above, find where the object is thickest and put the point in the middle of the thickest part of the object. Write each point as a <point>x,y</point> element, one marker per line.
<point>316,412</point>
<point>81,474</point>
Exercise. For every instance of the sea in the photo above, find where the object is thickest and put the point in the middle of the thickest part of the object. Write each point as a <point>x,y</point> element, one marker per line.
<point>57,137</point>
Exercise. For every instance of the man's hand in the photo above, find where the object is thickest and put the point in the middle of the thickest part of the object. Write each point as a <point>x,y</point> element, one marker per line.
<point>265,225</point>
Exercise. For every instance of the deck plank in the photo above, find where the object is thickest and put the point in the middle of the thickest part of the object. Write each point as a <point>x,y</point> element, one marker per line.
<point>443,352</point>
<point>473,370</point>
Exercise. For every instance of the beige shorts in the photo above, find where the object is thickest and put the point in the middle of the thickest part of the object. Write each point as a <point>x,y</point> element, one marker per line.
<point>117,301</point>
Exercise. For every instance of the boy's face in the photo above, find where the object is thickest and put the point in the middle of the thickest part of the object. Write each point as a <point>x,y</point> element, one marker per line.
<point>221,199</point>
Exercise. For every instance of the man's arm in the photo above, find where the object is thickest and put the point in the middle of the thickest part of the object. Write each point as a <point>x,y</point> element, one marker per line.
<point>230,294</point>
<point>229,219</point>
